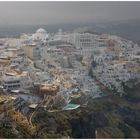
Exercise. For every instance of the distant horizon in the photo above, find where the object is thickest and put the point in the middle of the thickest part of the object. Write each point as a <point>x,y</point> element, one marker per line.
<point>125,28</point>
<point>77,23</point>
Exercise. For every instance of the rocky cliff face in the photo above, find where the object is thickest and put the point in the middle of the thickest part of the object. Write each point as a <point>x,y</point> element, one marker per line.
<point>107,117</point>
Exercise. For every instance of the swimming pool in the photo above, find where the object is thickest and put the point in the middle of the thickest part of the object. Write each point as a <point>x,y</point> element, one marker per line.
<point>71,106</point>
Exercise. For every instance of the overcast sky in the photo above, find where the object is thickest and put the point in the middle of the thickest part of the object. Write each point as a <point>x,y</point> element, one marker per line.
<point>66,12</point>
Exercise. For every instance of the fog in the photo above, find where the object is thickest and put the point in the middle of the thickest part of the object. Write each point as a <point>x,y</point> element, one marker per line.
<point>33,13</point>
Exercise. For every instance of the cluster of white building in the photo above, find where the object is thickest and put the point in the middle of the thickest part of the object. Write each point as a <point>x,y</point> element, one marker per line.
<point>35,56</point>
<point>118,64</point>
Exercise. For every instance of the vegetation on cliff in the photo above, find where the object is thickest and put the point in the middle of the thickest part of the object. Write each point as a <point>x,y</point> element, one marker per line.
<point>107,117</point>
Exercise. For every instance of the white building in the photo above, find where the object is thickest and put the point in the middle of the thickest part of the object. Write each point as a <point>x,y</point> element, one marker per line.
<point>40,34</point>
<point>32,51</point>
<point>14,42</point>
<point>16,61</point>
<point>13,82</point>
<point>84,41</point>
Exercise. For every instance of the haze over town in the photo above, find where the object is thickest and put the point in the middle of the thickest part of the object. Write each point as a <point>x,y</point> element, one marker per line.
<point>69,70</point>
<point>66,12</point>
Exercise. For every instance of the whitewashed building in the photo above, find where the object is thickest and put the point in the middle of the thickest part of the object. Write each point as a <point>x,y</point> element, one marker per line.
<point>83,41</point>
<point>40,34</point>
<point>13,82</point>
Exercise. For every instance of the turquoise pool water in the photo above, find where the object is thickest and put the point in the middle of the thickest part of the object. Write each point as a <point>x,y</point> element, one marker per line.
<point>102,94</point>
<point>71,106</point>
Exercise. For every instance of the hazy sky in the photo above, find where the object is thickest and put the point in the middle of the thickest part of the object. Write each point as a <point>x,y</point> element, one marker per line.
<point>66,12</point>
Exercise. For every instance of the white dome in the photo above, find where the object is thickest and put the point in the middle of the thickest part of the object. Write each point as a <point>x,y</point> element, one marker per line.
<point>41,30</point>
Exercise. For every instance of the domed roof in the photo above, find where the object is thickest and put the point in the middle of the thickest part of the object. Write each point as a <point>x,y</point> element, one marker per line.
<point>41,30</point>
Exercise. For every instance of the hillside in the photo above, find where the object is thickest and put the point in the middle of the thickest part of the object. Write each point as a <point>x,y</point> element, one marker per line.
<point>107,117</point>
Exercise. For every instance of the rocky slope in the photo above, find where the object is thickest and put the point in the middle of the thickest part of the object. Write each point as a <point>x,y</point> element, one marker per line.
<point>107,117</point>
